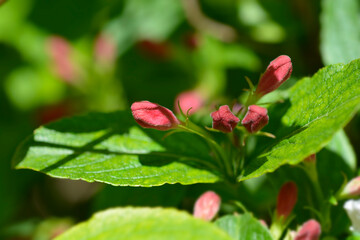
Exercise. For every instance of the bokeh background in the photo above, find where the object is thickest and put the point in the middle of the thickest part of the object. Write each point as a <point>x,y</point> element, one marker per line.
<point>61,58</point>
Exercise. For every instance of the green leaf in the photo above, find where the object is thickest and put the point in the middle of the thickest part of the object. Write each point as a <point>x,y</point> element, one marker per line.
<point>243,227</point>
<point>144,223</point>
<point>340,31</point>
<point>112,148</point>
<point>320,106</point>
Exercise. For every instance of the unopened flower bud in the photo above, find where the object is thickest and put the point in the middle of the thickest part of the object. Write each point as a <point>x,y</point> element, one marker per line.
<point>278,71</point>
<point>187,100</point>
<point>286,199</point>
<point>310,230</point>
<point>152,115</point>
<point>224,120</point>
<point>105,49</point>
<point>352,189</point>
<point>207,206</point>
<point>255,119</point>
<point>310,159</point>
<point>60,51</point>
<point>352,208</point>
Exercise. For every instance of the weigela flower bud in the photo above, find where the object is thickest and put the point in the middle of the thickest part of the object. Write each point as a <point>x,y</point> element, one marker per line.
<point>352,189</point>
<point>207,206</point>
<point>255,119</point>
<point>310,230</point>
<point>352,208</point>
<point>105,49</point>
<point>286,199</point>
<point>224,120</point>
<point>278,71</point>
<point>152,115</point>
<point>187,100</point>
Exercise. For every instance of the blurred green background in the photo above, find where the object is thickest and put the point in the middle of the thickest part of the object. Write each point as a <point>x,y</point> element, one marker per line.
<point>60,58</point>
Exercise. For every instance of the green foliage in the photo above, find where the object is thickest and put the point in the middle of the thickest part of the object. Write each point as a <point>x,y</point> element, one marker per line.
<point>340,32</point>
<point>144,223</point>
<point>315,115</point>
<point>112,148</point>
<point>243,227</point>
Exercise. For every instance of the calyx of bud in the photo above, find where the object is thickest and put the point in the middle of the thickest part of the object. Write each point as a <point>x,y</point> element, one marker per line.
<point>278,71</point>
<point>207,206</point>
<point>152,115</point>
<point>224,120</point>
<point>310,230</point>
<point>286,199</point>
<point>255,119</point>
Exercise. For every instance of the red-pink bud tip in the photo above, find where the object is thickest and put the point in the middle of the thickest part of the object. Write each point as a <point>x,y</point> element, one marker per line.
<point>152,115</point>
<point>287,199</point>
<point>352,189</point>
<point>207,206</point>
<point>224,120</point>
<point>187,100</point>
<point>310,230</point>
<point>105,49</point>
<point>278,71</point>
<point>255,119</point>
<point>310,159</point>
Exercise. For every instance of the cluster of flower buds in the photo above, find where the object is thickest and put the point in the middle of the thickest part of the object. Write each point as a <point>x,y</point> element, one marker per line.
<point>151,115</point>
<point>310,230</point>
<point>286,200</point>
<point>207,206</point>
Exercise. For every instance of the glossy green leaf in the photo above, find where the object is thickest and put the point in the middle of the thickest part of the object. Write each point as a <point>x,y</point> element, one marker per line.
<point>112,148</point>
<point>319,107</point>
<point>243,227</point>
<point>340,31</point>
<point>144,223</point>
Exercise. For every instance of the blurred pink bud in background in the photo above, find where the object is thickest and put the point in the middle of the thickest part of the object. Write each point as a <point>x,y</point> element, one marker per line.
<point>187,100</point>
<point>352,188</point>
<point>207,206</point>
<point>60,50</point>
<point>278,71</point>
<point>152,115</point>
<point>224,120</point>
<point>286,199</point>
<point>255,119</point>
<point>105,49</point>
<point>310,230</point>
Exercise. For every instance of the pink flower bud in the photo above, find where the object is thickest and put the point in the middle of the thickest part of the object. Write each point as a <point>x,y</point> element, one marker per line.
<point>310,159</point>
<point>60,50</point>
<point>255,119</point>
<point>207,206</point>
<point>224,120</point>
<point>352,189</point>
<point>310,230</point>
<point>105,49</point>
<point>286,200</point>
<point>152,115</point>
<point>187,100</point>
<point>278,71</point>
